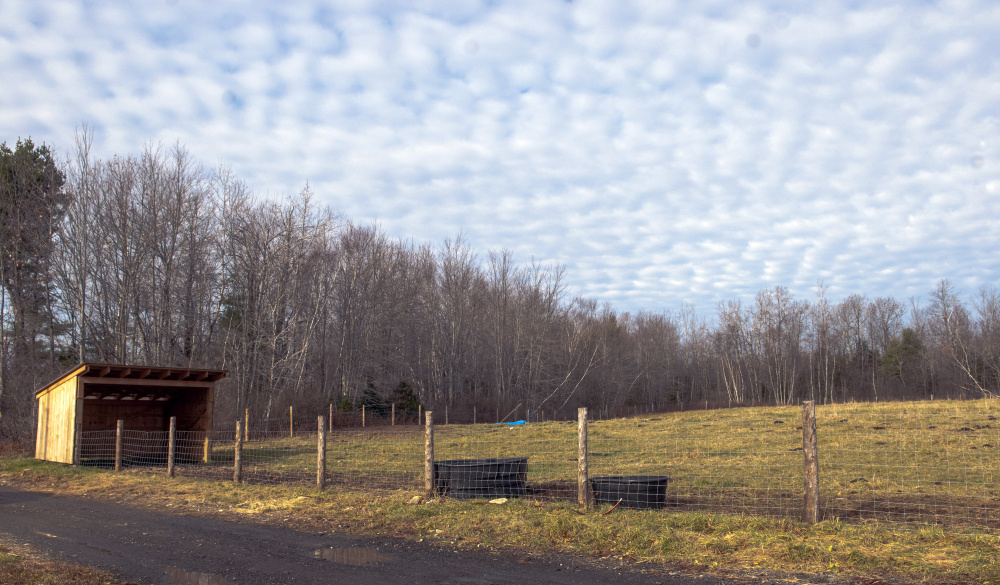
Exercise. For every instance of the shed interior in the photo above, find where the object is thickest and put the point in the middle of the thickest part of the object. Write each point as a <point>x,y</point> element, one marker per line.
<point>146,404</point>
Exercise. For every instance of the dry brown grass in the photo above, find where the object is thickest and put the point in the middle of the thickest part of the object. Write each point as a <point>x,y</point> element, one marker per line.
<point>22,566</point>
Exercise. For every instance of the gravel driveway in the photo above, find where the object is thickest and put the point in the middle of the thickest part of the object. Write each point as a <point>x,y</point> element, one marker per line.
<point>146,546</point>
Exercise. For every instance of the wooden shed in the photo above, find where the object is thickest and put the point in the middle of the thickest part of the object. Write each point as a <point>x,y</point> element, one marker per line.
<point>93,397</point>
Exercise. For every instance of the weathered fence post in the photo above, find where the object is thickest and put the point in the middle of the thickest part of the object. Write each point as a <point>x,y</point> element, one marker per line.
<point>420,413</point>
<point>331,417</point>
<point>809,448</point>
<point>118,444</point>
<point>171,452</point>
<point>429,454</point>
<point>362,416</point>
<point>246,425</point>
<point>291,424</point>
<point>445,414</point>
<point>473,415</point>
<point>393,415</point>
<point>584,494</point>
<point>321,454</point>
<point>238,454</point>
<point>206,456</point>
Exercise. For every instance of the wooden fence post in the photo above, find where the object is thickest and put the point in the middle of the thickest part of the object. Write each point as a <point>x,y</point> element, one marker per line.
<point>584,494</point>
<point>393,415</point>
<point>473,415</point>
<point>331,417</point>
<point>321,454</point>
<point>171,450</point>
<point>118,444</point>
<point>445,414</point>
<point>362,416</point>
<point>206,456</point>
<point>291,424</point>
<point>246,425</point>
<point>429,454</point>
<point>420,413</point>
<point>238,454</point>
<point>810,450</point>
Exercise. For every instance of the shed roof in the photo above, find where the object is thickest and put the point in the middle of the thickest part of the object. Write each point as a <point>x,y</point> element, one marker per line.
<point>110,375</point>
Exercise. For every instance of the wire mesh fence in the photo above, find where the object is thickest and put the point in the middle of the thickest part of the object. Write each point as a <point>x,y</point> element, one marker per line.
<point>97,449</point>
<point>388,458</point>
<point>919,463</point>
<point>713,462</point>
<point>929,462</point>
<point>494,454</point>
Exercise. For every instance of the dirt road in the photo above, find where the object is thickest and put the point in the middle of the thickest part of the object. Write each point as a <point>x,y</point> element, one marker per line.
<point>146,546</point>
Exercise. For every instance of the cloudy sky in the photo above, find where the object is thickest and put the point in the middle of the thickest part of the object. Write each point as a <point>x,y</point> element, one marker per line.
<point>667,153</point>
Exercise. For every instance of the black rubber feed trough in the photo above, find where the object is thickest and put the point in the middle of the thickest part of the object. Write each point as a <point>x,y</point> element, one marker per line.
<point>481,478</point>
<point>643,492</point>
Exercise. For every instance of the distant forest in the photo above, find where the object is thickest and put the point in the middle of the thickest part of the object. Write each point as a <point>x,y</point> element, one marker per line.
<point>151,259</point>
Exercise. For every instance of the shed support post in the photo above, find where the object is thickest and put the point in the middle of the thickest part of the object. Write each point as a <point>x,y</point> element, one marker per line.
<point>171,449</point>
<point>120,430</point>
<point>77,437</point>
<point>78,431</point>
<point>238,454</point>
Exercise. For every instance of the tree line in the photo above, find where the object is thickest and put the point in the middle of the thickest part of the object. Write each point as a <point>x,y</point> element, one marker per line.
<point>152,259</point>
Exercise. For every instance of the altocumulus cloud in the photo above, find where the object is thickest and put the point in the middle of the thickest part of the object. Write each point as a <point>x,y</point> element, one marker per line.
<point>666,154</point>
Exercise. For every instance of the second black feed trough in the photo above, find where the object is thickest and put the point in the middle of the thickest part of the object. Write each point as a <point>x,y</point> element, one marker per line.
<point>481,478</point>
<point>644,492</point>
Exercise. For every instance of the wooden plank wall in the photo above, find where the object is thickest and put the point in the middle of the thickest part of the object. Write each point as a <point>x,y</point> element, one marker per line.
<point>191,406</point>
<point>55,438</point>
<point>139,415</point>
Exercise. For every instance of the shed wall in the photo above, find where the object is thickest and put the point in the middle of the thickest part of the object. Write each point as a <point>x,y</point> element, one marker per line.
<point>55,437</point>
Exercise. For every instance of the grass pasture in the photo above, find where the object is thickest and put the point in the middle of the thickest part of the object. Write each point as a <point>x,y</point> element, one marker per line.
<point>909,490</point>
<point>924,462</point>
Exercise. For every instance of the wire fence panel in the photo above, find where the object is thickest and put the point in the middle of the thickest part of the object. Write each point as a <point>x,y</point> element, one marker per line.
<point>145,448</point>
<point>709,461</point>
<point>387,458</point>
<point>933,463</point>
<point>97,449</point>
<point>485,460</point>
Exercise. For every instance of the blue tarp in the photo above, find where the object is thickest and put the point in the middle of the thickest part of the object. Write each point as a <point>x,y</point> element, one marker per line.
<point>517,422</point>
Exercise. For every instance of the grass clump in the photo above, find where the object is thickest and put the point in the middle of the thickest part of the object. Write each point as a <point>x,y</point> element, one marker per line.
<point>23,567</point>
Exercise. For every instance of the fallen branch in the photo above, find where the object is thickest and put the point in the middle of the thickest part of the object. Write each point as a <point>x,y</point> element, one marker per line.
<point>611,510</point>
